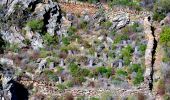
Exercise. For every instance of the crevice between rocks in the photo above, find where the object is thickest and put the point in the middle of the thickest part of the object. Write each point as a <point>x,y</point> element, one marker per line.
<point>46,18</point>
<point>32,5</point>
<point>153,58</point>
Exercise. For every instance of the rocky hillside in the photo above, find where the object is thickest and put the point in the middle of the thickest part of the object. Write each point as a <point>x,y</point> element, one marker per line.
<point>75,50</point>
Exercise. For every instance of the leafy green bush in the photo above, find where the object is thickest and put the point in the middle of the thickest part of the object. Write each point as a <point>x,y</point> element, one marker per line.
<point>105,71</point>
<point>50,40</point>
<point>69,84</point>
<point>106,24</point>
<point>158,16</point>
<point>36,25</point>
<point>121,72</point>
<point>139,73</point>
<point>93,98</point>
<point>27,42</point>
<point>83,25</point>
<point>142,48</point>
<point>90,1</point>
<point>127,51</point>
<point>72,30</point>
<point>127,54</point>
<point>165,36</point>
<point>61,87</point>
<point>139,78</point>
<point>165,41</point>
<point>12,47</point>
<point>78,73</point>
<point>166,97</point>
<point>134,68</point>
<point>51,75</point>
<point>120,37</point>
<point>129,3</point>
<point>65,41</point>
<point>161,8</point>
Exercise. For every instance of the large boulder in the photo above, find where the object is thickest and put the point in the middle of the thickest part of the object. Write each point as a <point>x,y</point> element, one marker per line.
<point>119,21</point>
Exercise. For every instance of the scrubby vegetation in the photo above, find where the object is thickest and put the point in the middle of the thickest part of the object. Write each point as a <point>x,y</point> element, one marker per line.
<point>36,25</point>
<point>165,40</point>
<point>92,53</point>
<point>161,8</point>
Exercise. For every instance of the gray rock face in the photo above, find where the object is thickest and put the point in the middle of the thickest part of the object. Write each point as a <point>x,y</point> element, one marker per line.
<point>6,61</point>
<point>42,64</point>
<point>51,65</point>
<point>5,93</point>
<point>49,12</point>
<point>13,37</point>
<point>35,39</point>
<point>119,21</point>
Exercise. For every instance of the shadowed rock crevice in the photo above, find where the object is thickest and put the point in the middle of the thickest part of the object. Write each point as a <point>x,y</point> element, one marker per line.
<point>19,92</point>
<point>2,45</point>
<point>46,18</point>
<point>58,17</point>
<point>9,88</point>
<point>153,58</point>
<point>33,5</point>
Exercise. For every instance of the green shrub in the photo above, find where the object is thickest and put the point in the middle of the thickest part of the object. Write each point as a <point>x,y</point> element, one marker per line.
<point>127,54</point>
<point>83,25</point>
<point>72,30</point>
<point>93,98</point>
<point>139,77</point>
<point>27,42</point>
<point>92,1</point>
<point>59,69</point>
<point>158,16</point>
<point>165,41</point>
<point>61,87</point>
<point>161,8</point>
<point>165,36</point>
<point>13,47</point>
<point>78,73</point>
<point>69,84</point>
<point>127,51</point>
<point>65,41</point>
<point>50,40</point>
<point>121,72</point>
<point>129,3</point>
<point>80,98</point>
<point>164,5</point>
<point>36,25</point>
<point>166,97</point>
<point>119,37</point>
<point>134,68</point>
<point>113,33</point>
<point>51,75</point>
<point>106,24</point>
<point>142,48</point>
<point>105,71</point>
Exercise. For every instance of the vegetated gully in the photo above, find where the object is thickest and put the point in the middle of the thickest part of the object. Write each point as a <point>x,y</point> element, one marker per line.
<point>155,43</point>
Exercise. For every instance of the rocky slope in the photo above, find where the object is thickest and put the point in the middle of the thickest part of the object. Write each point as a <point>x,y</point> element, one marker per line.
<point>65,50</point>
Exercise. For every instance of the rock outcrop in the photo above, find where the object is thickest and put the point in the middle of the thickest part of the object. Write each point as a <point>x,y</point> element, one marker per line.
<point>150,51</point>
<point>10,89</point>
<point>24,10</point>
<point>119,21</point>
